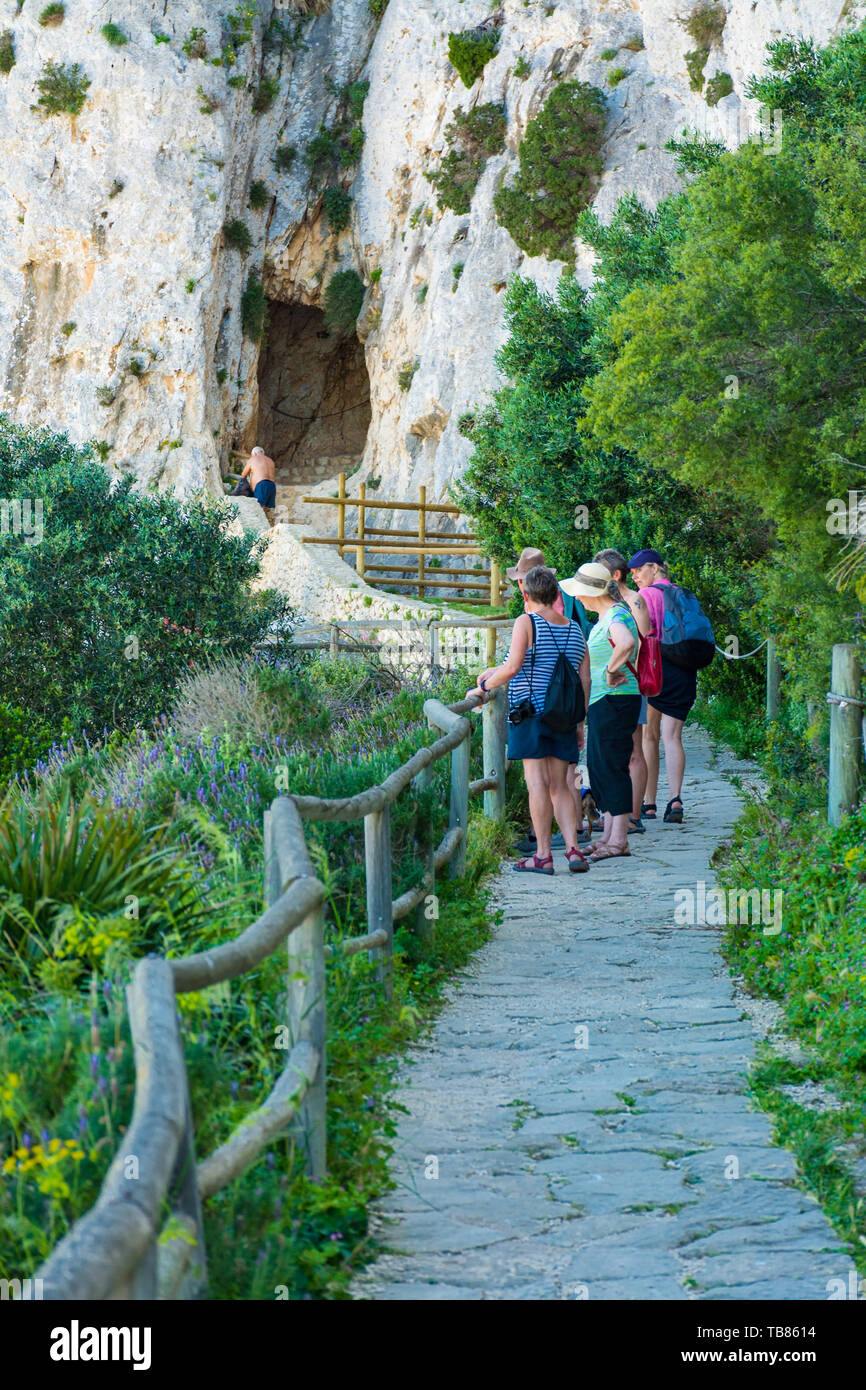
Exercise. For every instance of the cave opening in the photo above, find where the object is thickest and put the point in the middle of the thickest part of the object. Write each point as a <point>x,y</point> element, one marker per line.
<point>314,397</point>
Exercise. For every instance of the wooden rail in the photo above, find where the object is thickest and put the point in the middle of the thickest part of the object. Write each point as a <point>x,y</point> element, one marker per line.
<point>124,1247</point>
<point>425,544</point>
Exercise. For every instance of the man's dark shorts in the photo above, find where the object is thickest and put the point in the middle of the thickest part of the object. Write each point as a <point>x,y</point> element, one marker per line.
<point>266,493</point>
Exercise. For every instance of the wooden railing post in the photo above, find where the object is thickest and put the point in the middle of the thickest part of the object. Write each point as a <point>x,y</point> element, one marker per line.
<point>422,537</point>
<point>377,846</point>
<point>341,513</point>
<point>845,744</point>
<point>308,1023</point>
<point>459,809</point>
<point>774,677</point>
<point>286,859</point>
<point>494,718</point>
<point>360,560</point>
<point>333,642</point>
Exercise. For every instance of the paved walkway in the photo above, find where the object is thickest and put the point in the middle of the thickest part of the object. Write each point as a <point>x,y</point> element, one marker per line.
<point>603,1171</point>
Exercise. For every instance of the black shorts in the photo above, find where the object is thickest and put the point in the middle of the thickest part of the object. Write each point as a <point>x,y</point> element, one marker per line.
<point>610,725</point>
<point>266,493</point>
<point>678,693</point>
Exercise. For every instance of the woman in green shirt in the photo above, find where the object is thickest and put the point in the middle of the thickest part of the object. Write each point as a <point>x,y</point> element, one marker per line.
<point>614,703</point>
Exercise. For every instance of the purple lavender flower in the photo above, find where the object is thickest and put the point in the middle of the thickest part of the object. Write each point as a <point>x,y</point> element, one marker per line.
<point>94,1063</point>
<point>25,1141</point>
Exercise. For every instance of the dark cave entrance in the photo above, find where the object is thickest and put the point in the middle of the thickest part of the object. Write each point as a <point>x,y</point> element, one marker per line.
<point>314,396</point>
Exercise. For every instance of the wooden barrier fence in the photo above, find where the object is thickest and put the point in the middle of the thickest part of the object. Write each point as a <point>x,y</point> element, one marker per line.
<point>144,1236</point>
<point>425,544</point>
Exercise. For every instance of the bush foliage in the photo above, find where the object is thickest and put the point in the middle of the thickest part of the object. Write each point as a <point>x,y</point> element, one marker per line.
<point>7,51</point>
<point>62,89</point>
<point>559,164</point>
<point>124,591</point>
<point>344,295</point>
<point>254,308</point>
<point>473,137</point>
<point>471,50</point>
<point>337,207</point>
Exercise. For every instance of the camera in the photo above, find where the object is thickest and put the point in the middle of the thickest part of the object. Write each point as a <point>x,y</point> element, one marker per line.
<point>521,711</point>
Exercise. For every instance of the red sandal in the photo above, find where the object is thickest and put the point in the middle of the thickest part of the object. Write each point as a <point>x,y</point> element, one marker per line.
<point>577,862</point>
<point>534,865</point>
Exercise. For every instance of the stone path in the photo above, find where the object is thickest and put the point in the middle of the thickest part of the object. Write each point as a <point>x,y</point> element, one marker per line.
<point>606,1170</point>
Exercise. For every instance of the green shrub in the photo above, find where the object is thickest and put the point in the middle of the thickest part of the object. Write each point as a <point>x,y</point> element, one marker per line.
<point>237,82</point>
<point>608,54</point>
<point>254,308</point>
<point>161,38</point>
<point>222,375</point>
<point>423,291</point>
<point>457,270</point>
<point>337,207</point>
<point>284,156</point>
<point>344,295</point>
<point>266,94</point>
<point>64,865</point>
<point>109,652</point>
<point>471,50</point>
<point>406,373</point>
<point>522,68</point>
<point>113,35</point>
<point>559,161</point>
<point>376,275</point>
<point>473,136</point>
<point>696,61</point>
<point>23,740</point>
<point>634,44</point>
<point>67,328</point>
<point>209,104</point>
<point>195,43</point>
<point>238,235</point>
<point>339,145</point>
<point>377,7</point>
<point>721,85</point>
<point>615,76</point>
<point>259,195</point>
<point>189,286</point>
<point>62,89</point>
<point>705,24</point>
<point>7,51</point>
<point>116,187</point>
<point>52,15</point>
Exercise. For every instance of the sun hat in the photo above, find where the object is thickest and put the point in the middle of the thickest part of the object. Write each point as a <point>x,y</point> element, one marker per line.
<point>644,557</point>
<point>590,580</point>
<point>529,558</point>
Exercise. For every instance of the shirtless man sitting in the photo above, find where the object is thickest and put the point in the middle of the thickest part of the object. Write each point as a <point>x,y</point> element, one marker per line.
<point>260,471</point>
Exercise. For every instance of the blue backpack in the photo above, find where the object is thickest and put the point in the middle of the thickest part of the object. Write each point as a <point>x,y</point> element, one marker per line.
<point>686,638</point>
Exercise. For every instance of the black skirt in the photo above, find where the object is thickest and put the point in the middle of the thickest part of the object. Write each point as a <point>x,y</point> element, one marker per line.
<point>610,725</point>
<point>678,693</point>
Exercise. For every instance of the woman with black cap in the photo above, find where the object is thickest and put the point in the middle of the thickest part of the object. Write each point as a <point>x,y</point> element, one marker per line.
<point>669,710</point>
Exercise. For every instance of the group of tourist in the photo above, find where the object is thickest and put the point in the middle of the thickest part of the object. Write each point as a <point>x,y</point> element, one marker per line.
<point>622,727</point>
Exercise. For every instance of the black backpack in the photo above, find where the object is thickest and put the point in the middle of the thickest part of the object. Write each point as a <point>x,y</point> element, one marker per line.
<point>564,702</point>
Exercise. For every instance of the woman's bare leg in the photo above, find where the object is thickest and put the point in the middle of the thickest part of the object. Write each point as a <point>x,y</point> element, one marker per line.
<point>651,733</point>
<point>675,754</point>
<point>540,805</point>
<point>562,799</point>
<point>637,769</point>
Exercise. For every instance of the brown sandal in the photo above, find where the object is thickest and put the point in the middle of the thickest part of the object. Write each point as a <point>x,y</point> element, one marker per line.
<point>602,852</point>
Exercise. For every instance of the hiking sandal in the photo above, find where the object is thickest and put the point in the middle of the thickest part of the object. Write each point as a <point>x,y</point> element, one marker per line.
<point>602,852</point>
<point>577,862</point>
<point>635,827</point>
<point>674,817</point>
<point>534,865</point>
<point>649,810</point>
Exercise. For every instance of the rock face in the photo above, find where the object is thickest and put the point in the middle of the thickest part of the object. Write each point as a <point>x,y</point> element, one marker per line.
<point>121,314</point>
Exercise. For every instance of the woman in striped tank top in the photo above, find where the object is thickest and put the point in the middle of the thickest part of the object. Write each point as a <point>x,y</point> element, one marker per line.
<point>540,636</point>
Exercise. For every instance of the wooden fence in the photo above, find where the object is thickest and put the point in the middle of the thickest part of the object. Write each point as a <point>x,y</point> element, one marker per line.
<point>144,1237</point>
<point>425,544</point>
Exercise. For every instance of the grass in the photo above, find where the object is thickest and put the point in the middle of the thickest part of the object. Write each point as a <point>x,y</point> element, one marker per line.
<point>406,373</point>
<point>7,51</point>
<point>52,15</point>
<point>616,75</point>
<point>238,235</point>
<point>114,35</point>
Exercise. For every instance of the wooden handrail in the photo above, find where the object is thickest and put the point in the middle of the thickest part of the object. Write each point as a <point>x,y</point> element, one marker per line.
<point>105,1249</point>
<point>253,945</point>
<point>374,505</point>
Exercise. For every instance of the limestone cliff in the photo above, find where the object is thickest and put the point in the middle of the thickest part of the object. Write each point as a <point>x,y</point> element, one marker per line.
<point>123,272</point>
